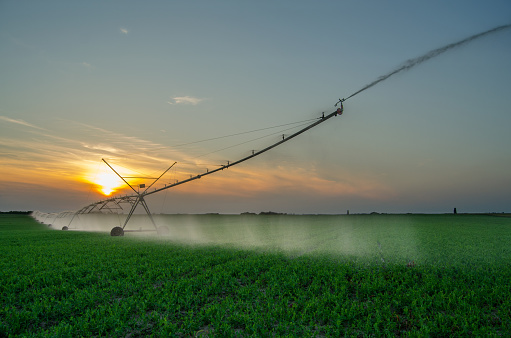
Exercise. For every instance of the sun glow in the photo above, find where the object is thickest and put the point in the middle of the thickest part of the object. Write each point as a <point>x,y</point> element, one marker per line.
<point>108,183</point>
<point>105,181</point>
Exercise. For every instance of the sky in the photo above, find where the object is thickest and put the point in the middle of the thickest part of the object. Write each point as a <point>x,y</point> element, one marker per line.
<point>146,84</point>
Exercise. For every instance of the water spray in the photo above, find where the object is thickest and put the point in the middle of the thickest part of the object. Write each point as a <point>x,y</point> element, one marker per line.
<point>431,54</point>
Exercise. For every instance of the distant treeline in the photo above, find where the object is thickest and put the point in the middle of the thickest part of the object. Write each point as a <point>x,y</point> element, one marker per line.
<point>263,213</point>
<point>16,212</point>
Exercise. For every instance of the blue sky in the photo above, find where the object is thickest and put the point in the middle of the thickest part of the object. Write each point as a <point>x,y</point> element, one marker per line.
<point>131,81</point>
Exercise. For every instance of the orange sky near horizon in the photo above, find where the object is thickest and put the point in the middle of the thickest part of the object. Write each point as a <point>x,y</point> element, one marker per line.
<point>74,164</point>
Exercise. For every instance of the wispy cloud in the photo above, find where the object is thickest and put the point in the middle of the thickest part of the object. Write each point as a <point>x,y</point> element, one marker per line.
<point>185,100</point>
<point>71,153</point>
<point>124,30</point>
<point>20,122</point>
<point>87,65</point>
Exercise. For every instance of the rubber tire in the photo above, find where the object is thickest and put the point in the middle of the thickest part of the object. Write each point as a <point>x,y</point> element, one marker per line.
<point>117,231</point>
<point>65,228</point>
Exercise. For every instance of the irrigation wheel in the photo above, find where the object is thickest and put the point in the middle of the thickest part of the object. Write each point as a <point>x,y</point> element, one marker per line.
<point>117,231</point>
<point>65,228</point>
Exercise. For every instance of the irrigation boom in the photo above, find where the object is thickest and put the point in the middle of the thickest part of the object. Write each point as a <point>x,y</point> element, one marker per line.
<point>114,204</point>
<point>284,139</point>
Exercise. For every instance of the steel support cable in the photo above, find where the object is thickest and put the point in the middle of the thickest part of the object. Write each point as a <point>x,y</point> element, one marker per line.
<point>302,123</point>
<point>245,132</point>
<point>309,126</point>
<point>252,140</point>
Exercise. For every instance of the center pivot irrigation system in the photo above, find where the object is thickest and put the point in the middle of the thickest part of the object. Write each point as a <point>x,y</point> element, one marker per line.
<point>114,204</point>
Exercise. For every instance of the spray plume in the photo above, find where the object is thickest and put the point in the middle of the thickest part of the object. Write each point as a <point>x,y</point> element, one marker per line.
<point>431,54</point>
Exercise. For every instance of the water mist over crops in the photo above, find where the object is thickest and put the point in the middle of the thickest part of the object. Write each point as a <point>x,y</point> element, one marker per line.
<point>355,236</point>
<point>382,239</point>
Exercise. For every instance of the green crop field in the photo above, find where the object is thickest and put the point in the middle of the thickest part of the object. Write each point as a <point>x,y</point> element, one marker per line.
<point>222,275</point>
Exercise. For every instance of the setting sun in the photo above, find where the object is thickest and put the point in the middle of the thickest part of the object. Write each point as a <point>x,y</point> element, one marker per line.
<point>104,180</point>
<point>108,182</point>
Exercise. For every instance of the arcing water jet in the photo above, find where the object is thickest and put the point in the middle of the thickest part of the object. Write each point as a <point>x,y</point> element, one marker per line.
<point>431,54</point>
